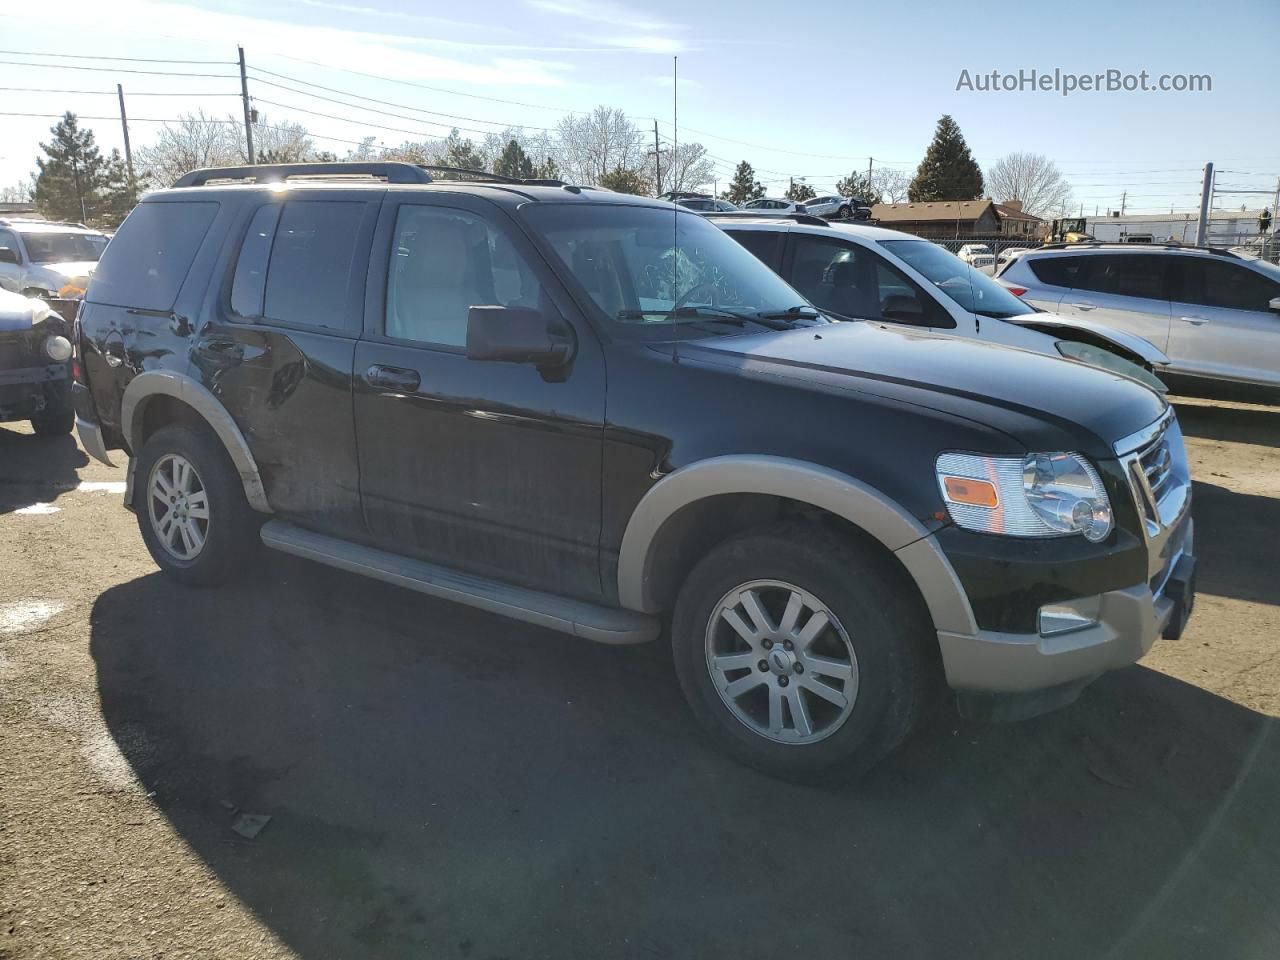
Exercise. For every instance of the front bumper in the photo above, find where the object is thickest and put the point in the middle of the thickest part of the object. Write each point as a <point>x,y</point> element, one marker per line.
<point>1129,621</point>
<point>46,373</point>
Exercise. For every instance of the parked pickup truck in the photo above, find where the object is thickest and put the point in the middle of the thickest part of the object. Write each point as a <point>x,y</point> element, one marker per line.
<point>599,414</point>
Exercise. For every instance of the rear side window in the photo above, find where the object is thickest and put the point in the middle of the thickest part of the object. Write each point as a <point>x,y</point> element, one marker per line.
<point>1056,271</point>
<point>309,274</point>
<point>763,243</point>
<point>147,261</point>
<point>1123,275</point>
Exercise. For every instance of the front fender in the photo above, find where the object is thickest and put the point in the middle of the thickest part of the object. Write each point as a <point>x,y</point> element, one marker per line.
<point>1055,324</point>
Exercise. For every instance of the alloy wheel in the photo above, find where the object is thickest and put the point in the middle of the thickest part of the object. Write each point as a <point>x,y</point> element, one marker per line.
<point>781,661</point>
<point>178,507</point>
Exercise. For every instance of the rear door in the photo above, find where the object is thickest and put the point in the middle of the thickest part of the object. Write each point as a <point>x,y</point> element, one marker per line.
<point>1223,325</point>
<point>493,468</point>
<point>1127,291</point>
<point>277,348</point>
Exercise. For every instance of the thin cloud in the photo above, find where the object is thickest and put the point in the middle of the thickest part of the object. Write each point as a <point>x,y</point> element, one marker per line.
<point>603,12</point>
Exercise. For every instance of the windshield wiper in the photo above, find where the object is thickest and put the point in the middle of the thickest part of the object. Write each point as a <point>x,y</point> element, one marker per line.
<point>689,312</point>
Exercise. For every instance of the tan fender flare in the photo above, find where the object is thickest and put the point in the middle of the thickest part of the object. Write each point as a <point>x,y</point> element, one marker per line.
<point>821,487</point>
<point>153,383</point>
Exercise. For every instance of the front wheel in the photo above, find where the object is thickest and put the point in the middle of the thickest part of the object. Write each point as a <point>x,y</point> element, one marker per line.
<point>801,651</point>
<point>191,507</point>
<point>845,213</point>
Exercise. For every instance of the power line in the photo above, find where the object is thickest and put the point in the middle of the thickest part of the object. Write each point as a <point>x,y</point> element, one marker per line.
<point>153,73</point>
<point>112,93</point>
<point>93,56</point>
<point>366,123</point>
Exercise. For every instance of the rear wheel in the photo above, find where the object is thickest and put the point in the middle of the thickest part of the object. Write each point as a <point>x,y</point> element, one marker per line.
<point>801,652</point>
<point>191,506</point>
<point>845,213</point>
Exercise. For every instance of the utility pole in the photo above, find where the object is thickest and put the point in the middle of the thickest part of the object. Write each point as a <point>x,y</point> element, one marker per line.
<point>75,173</point>
<point>1123,197</point>
<point>870,161</point>
<point>1206,193</point>
<point>657,158</point>
<point>128,151</point>
<point>244,96</point>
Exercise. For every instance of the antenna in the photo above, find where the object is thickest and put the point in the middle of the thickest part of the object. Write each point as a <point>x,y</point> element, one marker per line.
<point>675,207</point>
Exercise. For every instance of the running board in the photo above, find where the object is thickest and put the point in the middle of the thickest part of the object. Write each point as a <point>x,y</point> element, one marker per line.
<point>601,624</point>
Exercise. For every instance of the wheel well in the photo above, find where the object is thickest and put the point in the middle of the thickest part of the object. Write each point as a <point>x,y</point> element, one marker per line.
<point>692,532</point>
<point>161,410</point>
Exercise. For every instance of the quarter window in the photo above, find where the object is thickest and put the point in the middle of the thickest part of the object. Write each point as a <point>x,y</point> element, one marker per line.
<point>250,281</point>
<point>444,262</point>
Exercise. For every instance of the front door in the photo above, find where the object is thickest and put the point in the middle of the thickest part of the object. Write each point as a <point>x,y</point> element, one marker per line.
<point>1223,326</point>
<point>493,468</point>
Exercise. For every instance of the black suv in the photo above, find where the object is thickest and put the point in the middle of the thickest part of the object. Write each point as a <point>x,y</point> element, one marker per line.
<point>599,414</point>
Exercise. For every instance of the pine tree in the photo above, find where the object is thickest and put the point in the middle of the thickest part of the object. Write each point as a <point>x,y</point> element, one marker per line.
<point>461,153</point>
<point>948,171</point>
<point>548,169</point>
<point>514,162</point>
<point>622,180</point>
<point>76,182</point>
<point>743,186</point>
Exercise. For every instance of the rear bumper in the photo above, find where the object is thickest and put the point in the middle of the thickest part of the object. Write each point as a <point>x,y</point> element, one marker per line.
<point>87,427</point>
<point>1129,621</point>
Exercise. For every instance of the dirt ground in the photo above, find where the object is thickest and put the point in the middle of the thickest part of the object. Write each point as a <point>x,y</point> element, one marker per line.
<point>443,783</point>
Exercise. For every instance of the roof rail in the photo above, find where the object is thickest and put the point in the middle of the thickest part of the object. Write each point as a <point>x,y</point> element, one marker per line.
<point>467,174</point>
<point>808,219</point>
<point>1137,245</point>
<point>390,171</point>
<point>9,221</point>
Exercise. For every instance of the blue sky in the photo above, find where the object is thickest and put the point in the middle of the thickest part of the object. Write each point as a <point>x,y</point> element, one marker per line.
<point>810,89</point>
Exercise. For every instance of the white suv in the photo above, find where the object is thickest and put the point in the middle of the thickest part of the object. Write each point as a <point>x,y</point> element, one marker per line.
<point>855,272</point>
<point>1216,314</point>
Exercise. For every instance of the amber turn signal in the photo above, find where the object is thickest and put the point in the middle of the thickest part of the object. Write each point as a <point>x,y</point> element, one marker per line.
<point>974,493</point>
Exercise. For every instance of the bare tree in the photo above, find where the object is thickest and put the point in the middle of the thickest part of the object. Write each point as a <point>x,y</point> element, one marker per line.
<point>274,142</point>
<point>193,142</point>
<point>21,192</point>
<point>595,144</point>
<point>1032,178</point>
<point>685,167</point>
<point>890,184</point>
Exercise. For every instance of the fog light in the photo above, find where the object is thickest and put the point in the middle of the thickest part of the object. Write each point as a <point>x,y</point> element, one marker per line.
<point>58,348</point>
<point>1068,616</point>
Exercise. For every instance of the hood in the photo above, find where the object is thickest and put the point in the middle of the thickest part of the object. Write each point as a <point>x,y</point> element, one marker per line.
<point>1043,402</point>
<point>1056,323</point>
<point>76,268</point>
<point>20,313</point>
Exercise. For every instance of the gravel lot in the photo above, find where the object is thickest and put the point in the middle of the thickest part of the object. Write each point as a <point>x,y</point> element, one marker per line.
<point>443,783</point>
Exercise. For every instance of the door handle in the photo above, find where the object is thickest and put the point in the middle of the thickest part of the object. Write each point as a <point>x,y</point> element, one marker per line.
<point>1194,321</point>
<point>399,379</point>
<point>221,349</point>
<point>1085,306</point>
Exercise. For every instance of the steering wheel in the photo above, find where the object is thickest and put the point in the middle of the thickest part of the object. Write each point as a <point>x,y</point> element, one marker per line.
<point>689,294</point>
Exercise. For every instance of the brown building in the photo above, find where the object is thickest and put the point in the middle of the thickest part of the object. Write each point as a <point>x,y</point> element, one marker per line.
<point>941,219</point>
<point>949,219</point>
<point>1015,222</point>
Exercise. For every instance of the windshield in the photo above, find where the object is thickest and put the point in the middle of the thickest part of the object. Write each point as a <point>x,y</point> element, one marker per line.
<point>978,248</point>
<point>64,247</point>
<point>973,290</point>
<point>651,270</point>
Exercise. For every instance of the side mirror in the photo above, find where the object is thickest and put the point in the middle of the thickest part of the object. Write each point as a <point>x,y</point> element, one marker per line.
<point>515,335</point>
<point>8,255</point>
<point>1275,303</point>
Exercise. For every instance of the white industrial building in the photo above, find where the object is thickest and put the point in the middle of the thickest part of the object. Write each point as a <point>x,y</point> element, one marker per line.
<point>1225,226</point>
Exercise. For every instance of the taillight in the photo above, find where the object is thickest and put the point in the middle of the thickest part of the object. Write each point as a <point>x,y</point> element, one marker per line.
<point>77,369</point>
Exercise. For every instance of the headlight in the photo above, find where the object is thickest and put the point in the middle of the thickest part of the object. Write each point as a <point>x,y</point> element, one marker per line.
<point>57,348</point>
<point>1039,495</point>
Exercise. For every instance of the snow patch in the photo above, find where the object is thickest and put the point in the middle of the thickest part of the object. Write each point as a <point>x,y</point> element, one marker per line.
<point>101,486</point>
<point>38,509</point>
<point>23,615</point>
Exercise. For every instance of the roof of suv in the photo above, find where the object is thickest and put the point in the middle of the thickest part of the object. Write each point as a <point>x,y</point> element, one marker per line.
<point>805,224</point>
<point>398,177</point>
<point>22,225</point>
<point>1101,247</point>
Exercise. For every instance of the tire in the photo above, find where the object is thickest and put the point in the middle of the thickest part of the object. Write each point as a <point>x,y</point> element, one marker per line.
<point>844,213</point>
<point>876,636</point>
<point>214,546</point>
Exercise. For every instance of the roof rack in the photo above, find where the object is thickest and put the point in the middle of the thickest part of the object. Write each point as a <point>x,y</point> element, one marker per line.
<point>391,171</point>
<point>10,221</point>
<point>808,219</point>
<point>1137,244</point>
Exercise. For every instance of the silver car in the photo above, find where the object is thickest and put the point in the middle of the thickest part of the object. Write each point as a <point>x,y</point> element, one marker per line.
<point>834,207</point>
<point>1215,314</point>
<point>771,205</point>
<point>43,259</point>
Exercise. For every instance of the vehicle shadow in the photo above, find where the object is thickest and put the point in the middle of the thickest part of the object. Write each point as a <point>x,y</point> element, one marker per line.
<point>444,783</point>
<point>36,469</point>
<point>1239,559</point>
<point>1255,425</point>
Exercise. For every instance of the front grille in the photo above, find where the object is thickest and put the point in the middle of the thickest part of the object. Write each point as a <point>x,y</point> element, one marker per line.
<point>1156,463</point>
